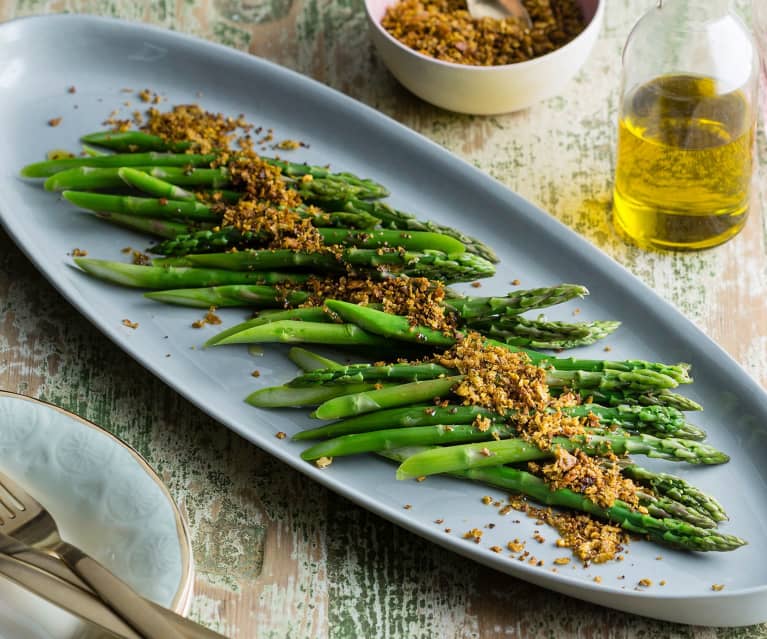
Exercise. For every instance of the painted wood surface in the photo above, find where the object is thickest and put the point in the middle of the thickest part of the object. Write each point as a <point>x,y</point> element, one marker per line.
<point>281,557</point>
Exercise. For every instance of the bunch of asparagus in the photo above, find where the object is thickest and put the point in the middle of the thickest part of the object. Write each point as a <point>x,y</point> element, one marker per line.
<point>171,193</point>
<point>408,413</point>
<point>159,188</point>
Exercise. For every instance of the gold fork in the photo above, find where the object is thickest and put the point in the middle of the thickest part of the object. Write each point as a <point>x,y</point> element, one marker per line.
<point>25,519</point>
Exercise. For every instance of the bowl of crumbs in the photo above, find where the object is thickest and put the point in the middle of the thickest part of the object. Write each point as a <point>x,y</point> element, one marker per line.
<point>460,58</point>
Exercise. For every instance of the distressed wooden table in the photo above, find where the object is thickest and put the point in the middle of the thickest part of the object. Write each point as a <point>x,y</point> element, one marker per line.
<point>278,556</point>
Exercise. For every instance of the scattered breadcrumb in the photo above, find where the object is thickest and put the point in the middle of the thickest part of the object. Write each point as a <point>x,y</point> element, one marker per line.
<point>140,258</point>
<point>515,282</point>
<point>288,145</point>
<point>598,579</point>
<point>516,545</point>
<point>717,587</point>
<point>280,435</point>
<point>476,284</point>
<point>76,252</point>
<point>645,583</point>
<point>256,373</point>
<point>407,506</point>
<point>129,324</point>
<point>482,423</point>
<point>55,121</point>
<point>72,89</point>
<point>475,534</point>
<point>213,319</point>
<point>562,561</point>
<point>323,462</point>
<point>439,521</point>
<point>496,549</point>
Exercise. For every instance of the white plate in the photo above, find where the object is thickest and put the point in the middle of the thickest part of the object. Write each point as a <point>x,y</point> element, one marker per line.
<point>107,501</point>
<point>41,57</point>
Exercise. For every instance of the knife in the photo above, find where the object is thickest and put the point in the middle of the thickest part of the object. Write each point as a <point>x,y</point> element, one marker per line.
<point>59,573</point>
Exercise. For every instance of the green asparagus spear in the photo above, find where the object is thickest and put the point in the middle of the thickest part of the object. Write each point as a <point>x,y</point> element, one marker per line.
<point>653,420</point>
<point>456,267</point>
<point>400,395</point>
<point>544,334</point>
<point>387,439</point>
<point>230,295</point>
<point>132,141</point>
<point>307,360</point>
<point>393,219</point>
<point>404,417</point>
<point>664,507</point>
<point>370,373</point>
<point>175,208</point>
<point>231,237</point>
<point>158,277</point>
<point>151,158</point>
<point>86,178</point>
<point>154,186</point>
<point>662,397</point>
<point>516,302</point>
<point>284,396</point>
<point>676,488</point>
<point>310,314</point>
<point>637,380</point>
<point>400,328</point>
<point>511,451</point>
<point>291,332</point>
<point>672,531</point>
<point>101,202</point>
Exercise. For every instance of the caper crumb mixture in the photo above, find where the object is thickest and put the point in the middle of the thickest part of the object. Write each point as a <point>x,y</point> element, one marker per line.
<point>583,474</point>
<point>417,298</point>
<point>510,384</point>
<point>445,30</point>
<point>590,540</point>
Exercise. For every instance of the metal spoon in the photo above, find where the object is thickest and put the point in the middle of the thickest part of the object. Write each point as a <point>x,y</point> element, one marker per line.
<point>500,9</point>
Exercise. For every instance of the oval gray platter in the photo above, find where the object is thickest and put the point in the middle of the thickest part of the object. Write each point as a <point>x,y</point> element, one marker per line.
<point>41,57</point>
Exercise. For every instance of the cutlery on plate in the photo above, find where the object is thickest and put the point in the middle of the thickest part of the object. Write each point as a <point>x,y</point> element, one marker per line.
<point>79,602</point>
<point>57,568</point>
<point>26,520</point>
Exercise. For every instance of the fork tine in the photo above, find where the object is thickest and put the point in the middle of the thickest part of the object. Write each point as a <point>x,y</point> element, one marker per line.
<point>14,492</point>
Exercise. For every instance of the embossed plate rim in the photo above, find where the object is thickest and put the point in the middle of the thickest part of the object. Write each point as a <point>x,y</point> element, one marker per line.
<point>100,50</point>
<point>182,597</point>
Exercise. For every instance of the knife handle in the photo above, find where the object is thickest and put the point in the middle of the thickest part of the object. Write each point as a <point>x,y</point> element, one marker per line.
<point>53,565</point>
<point>138,613</point>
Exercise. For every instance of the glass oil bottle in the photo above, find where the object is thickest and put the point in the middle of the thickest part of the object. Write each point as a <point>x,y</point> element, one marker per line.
<point>686,127</point>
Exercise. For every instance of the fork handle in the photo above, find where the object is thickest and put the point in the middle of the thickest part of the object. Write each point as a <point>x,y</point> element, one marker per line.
<point>138,613</point>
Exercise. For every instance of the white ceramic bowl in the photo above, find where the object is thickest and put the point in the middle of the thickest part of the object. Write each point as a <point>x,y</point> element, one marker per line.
<point>485,90</point>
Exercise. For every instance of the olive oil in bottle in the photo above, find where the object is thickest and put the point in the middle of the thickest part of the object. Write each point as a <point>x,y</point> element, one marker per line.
<point>686,127</point>
<point>684,163</point>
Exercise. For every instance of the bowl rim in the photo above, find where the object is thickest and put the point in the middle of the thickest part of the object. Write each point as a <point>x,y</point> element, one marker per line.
<point>594,24</point>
